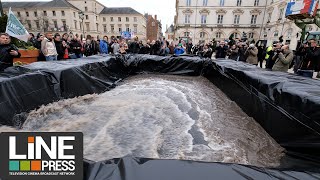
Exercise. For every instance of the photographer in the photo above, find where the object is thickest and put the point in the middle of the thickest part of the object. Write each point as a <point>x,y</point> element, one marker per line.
<point>252,54</point>
<point>270,53</point>
<point>233,52</point>
<point>242,48</point>
<point>311,61</point>
<point>300,56</point>
<point>7,52</point>
<point>221,50</point>
<point>282,59</point>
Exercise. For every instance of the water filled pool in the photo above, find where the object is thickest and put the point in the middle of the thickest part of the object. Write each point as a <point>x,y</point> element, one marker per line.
<point>161,116</point>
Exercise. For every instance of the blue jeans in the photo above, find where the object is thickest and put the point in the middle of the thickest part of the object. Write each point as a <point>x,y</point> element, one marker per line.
<point>75,56</point>
<point>51,58</point>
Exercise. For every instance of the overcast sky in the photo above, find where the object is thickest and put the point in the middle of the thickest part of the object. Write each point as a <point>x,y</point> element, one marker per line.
<point>165,9</point>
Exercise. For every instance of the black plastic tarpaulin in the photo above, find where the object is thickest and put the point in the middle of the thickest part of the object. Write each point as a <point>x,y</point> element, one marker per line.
<point>129,168</point>
<point>22,91</point>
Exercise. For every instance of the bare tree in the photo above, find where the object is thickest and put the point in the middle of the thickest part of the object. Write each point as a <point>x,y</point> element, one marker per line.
<point>44,22</point>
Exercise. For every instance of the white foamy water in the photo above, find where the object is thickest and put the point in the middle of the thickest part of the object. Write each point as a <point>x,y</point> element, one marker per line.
<point>167,117</point>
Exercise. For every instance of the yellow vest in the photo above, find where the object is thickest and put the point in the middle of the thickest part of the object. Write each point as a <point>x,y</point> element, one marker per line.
<point>268,49</point>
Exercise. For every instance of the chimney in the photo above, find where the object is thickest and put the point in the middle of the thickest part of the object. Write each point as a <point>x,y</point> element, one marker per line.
<point>155,17</point>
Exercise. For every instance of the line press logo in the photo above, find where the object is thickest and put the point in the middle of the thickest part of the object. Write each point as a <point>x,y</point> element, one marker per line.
<point>35,155</point>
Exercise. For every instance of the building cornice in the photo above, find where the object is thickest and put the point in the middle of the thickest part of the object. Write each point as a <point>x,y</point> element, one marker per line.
<point>255,11</point>
<point>187,11</point>
<point>204,11</point>
<point>221,11</point>
<point>237,11</point>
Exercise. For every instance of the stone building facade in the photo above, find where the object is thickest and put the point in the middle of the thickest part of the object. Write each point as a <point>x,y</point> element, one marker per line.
<point>204,20</point>
<point>64,16</point>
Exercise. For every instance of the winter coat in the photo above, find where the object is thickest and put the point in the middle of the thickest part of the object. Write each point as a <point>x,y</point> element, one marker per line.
<point>104,47</point>
<point>221,52</point>
<point>252,54</point>
<point>312,59</point>
<point>6,59</point>
<point>178,51</point>
<point>282,61</point>
<point>233,54</point>
<point>75,46</point>
<point>134,47</point>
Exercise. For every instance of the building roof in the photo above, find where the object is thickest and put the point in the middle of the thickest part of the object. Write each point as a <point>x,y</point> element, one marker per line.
<point>170,29</point>
<point>119,10</point>
<point>39,4</point>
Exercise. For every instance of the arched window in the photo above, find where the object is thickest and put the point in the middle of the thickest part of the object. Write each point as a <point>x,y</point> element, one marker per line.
<point>218,35</point>
<point>235,35</point>
<point>202,34</point>
<point>186,34</point>
<point>251,35</point>
<point>276,34</point>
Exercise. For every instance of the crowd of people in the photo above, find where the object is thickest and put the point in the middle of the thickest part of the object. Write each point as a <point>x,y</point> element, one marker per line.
<point>277,56</point>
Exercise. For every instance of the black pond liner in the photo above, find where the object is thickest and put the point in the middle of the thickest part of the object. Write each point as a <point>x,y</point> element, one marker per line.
<point>285,105</point>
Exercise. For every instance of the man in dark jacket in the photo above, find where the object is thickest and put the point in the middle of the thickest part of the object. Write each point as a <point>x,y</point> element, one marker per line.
<point>242,52</point>
<point>300,55</point>
<point>261,54</point>
<point>75,47</point>
<point>221,50</point>
<point>134,46</point>
<point>59,46</point>
<point>7,52</point>
<point>311,62</point>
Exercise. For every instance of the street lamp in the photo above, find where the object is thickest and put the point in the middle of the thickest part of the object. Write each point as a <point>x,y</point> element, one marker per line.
<point>81,16</point>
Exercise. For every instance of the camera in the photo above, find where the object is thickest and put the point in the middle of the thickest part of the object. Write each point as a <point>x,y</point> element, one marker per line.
<point>10,49</point>
<point>279,51</point>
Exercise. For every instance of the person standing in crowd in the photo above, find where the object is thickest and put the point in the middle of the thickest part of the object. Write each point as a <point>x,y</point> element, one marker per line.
<point>75,47</point>
<point>189,47</point>
<point>37,45</point>
<point>271,53</point>
<point>88,47</point>
<point>7,51</point>
<point>65,37</point>
<point>221,50</point>
<point>242,51</point>
<point>104,45</point>
<point>59,46</point>
<point>48,48</point>
<point>282,59</point>
<point>155,50</point>
<point>171,48</point>
<point>144,48</point>
<point>311,61</point>
<point>233,52</point>
<point>115,46</point>
<point>164,50</point>
<point>134,46</point>
<point>179,50</point>
<point>206,52</point>
<point>123,48</point>
<point>300,55</point>
<point>252,54</point>
<point>95,45</point>
<point>32,39</point>
<point>261,54</point>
